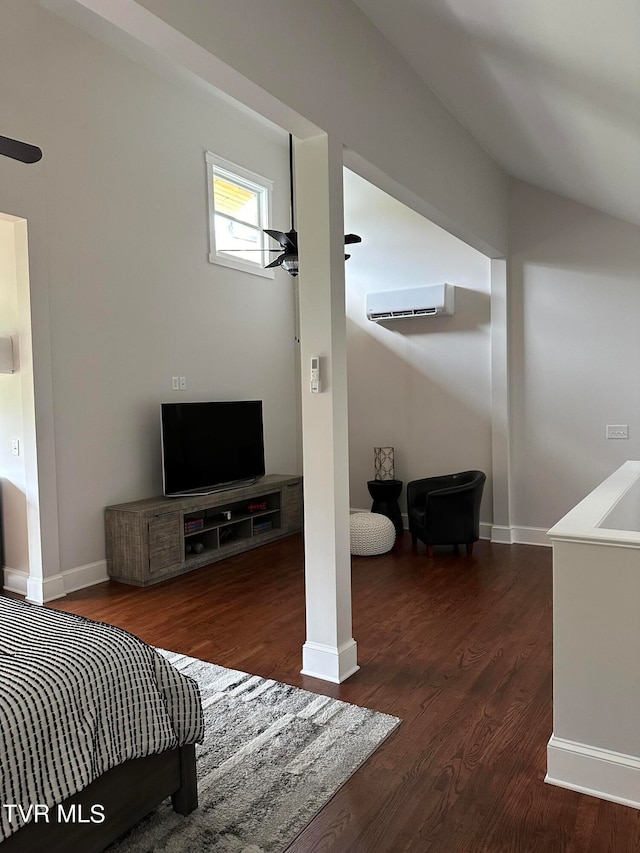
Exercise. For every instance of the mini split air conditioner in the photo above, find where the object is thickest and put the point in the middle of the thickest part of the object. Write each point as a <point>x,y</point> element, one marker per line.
<point>430,301</point>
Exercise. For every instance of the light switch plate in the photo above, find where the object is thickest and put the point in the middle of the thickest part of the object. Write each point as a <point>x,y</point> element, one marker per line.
<point>617,431</point>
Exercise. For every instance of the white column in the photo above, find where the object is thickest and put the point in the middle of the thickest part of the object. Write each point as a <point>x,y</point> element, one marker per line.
<point>330,652</point>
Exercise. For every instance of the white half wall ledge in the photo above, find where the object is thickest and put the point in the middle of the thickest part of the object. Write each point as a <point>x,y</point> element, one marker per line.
<point>329,663</point>
<point>609,514</point>
<point>594,746</point>
<point>590,770</point>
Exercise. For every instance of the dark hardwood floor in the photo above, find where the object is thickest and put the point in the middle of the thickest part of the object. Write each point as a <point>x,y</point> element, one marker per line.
<point>459,648</point>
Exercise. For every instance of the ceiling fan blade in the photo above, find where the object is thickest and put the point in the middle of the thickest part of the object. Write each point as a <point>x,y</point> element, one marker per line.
<point>19,150</point>
<point>288,240</point>
<point>352,238</point>
<point>276,263</point>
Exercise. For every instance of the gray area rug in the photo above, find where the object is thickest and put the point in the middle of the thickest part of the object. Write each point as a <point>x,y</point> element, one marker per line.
<point>273,755</point>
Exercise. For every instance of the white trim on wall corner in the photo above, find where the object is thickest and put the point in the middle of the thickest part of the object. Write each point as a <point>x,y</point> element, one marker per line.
<point>41,590</point>
<point>591,770</point>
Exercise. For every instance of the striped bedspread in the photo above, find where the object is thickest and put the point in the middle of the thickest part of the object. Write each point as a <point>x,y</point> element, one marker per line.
<point>77,698</point>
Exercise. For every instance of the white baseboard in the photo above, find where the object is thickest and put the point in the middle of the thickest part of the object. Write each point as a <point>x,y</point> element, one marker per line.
<point>330,663</point>
<point>531,536</point>
<point>519,535</point>
<point>84,576</point>
<point>499,533</point>
<point>591,770</point>
<point>57,586</point>
<point>15,580</point>
<point>485,530</point>
<point>41,590</point>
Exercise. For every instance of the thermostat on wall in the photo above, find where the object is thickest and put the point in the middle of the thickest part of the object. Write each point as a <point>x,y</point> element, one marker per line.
<point>316,385</point>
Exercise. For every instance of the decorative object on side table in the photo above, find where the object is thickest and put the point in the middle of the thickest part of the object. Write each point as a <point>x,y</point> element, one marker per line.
<point>383,463</point>
<point>385,489</point>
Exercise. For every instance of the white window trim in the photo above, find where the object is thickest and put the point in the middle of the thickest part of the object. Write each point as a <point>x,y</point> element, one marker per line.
<point>254,181</point>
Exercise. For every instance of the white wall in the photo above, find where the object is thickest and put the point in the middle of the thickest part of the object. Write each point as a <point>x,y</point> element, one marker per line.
<point>575,350</point>
<point>118,239</point>
<point>422,386</point>
<point>328,63</point>
<point>12,469</point>
<point>119,262</point>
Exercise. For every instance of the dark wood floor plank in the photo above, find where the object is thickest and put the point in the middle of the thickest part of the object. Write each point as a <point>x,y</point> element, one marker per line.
<point>459,648</point>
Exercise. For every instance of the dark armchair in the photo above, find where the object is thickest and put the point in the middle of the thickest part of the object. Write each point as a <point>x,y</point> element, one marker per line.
<point>446,510</point>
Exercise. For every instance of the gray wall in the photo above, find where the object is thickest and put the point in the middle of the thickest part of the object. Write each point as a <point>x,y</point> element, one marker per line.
<point>575,350</point>
<point>117,211</point>
<point>331,65</point>
<point>422,386</point>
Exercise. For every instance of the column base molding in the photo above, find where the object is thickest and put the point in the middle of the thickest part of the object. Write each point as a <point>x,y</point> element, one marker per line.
<point>330,663</point>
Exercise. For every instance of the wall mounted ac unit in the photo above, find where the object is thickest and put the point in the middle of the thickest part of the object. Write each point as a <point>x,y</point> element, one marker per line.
<point>6,355</point>
<point>429,301</point>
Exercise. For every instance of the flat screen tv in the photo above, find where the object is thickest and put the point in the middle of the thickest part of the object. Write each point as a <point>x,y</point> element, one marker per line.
<point>208,447</point>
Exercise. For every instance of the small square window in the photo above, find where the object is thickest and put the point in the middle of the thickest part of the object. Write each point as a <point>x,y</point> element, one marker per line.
<point>239,211</point>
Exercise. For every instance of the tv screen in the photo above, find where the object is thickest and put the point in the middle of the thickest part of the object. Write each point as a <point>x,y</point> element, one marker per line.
<point>207,447</point>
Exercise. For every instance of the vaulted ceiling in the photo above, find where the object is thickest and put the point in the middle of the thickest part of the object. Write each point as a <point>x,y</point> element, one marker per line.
<point>550,89</point>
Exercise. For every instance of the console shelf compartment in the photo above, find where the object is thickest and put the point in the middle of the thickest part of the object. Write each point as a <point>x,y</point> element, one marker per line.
<point>151,540</point>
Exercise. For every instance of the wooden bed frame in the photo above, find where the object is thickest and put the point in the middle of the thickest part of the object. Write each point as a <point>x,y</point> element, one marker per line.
<point>127,792</point>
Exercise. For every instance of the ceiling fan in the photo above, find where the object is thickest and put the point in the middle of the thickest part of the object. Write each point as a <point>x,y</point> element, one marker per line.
<point>19,150</point>
<point>288,240</point>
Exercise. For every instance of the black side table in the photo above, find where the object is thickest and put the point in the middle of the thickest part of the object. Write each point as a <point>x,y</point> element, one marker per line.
<point>385,494</point>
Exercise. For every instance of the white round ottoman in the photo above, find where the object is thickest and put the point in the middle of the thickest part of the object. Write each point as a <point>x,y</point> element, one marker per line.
<point>371,533</point>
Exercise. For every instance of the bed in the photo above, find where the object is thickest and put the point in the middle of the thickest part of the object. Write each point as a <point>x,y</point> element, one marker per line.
<point>96,729</point>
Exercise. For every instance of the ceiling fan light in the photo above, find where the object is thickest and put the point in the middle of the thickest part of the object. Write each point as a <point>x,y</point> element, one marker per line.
<point>290,264</point>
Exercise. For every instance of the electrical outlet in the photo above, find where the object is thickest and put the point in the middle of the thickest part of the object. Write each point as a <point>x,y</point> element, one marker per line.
<point>617,431</point>
<point>175,383</point>
<point>183,383</point>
